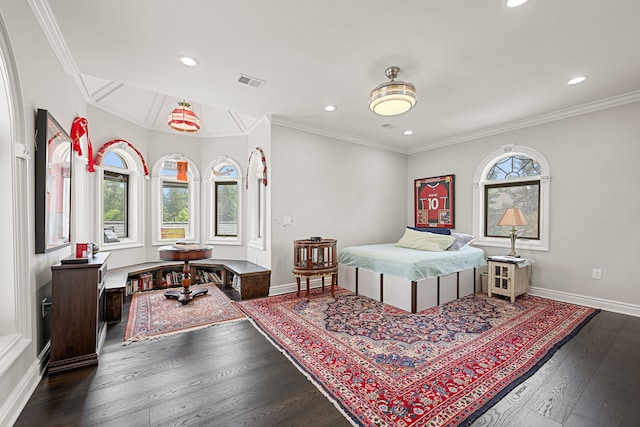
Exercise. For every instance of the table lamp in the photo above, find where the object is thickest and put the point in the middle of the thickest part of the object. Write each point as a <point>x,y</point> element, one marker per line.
<point>513,217</point>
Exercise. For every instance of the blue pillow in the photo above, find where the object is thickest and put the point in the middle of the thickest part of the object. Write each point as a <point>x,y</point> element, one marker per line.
<point>444,231</point>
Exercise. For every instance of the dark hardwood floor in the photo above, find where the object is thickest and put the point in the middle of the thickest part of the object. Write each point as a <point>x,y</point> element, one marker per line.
<point>230,375</point>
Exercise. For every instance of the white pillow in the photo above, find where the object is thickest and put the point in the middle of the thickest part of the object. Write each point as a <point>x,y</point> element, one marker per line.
<point>461,240</point>
<point>425,241</point>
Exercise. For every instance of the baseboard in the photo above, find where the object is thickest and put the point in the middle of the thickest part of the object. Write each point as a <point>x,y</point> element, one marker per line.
<point>11,409</point>
<point>603,304</point>
<point>293,287</point>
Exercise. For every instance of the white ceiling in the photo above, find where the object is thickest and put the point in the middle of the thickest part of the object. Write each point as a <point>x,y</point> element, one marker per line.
<point>479,68</point>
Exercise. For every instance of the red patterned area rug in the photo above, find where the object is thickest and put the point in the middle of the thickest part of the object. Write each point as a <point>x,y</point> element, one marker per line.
<point>443,366</point>
<point>152,315</point>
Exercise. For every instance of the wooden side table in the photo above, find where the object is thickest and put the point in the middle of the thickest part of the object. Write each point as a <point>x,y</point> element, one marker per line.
<point>315,258</point>
<point>185,253</point>
<point>509,279</point>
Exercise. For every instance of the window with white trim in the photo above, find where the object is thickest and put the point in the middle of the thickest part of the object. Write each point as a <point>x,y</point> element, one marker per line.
<point>175,197</point>
<point>256,196</point>
<point>224,202</point>
<point>121,190</point>
<point>514,176</point>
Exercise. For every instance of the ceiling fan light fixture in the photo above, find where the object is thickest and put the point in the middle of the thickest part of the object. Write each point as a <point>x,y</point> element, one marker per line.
<point>392,98</point>
<point>183,119</point>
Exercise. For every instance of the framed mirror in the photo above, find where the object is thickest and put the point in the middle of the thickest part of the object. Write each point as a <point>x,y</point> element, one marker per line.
<point>52,185</point>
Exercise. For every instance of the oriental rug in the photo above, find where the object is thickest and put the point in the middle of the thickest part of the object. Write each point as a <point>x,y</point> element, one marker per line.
<point>443,366</point>
<point>152,315</point>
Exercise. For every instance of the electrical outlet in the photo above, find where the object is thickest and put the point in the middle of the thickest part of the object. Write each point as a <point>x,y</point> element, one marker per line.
<point>596,273</point>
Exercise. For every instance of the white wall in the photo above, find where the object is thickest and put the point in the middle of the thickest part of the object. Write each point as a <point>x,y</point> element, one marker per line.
<point>42,84</point>
<point>333,189</point>
<point>594,201</point>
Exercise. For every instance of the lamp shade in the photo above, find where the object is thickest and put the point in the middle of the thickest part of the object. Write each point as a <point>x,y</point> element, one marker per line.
<point>392,98</point>
<point>513,217</point>
<point>183,119</point>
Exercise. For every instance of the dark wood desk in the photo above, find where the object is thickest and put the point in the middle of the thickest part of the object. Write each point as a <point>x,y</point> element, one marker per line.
<point>185,253</point>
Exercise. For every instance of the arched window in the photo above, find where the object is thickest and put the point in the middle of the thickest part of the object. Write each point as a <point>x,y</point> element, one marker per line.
<point>176,201</point>
<point>513,176</point>
<point>121,190</point>
<point>256,200</point>
<point>224,202</point>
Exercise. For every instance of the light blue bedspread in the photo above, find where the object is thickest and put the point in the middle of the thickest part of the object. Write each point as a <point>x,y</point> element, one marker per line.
<point>410,263</point>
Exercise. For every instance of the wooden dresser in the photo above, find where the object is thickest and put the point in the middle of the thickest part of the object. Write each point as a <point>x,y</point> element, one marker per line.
<point>78,326</point>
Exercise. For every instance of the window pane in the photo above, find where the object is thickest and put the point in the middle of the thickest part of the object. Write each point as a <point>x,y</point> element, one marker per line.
<point>112,159</point>
<point>115,193</point>
<point>514,167</point>
<point>225,170</point>
<point>523,195</point>
<point>226,209</point>
<point>175,209</point>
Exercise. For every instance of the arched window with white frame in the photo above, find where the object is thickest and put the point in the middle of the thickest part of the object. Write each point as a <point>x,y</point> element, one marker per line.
<point>121,196</point>
<point>223,195</point>
<point>513,176</point>
<point>256,200</point>
<point>176,200</point>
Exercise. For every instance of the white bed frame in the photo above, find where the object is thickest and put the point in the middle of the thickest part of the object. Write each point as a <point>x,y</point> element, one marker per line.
<point>408,295</point>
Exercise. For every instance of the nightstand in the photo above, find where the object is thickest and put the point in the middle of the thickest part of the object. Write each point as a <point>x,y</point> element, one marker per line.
<point>509,279</point>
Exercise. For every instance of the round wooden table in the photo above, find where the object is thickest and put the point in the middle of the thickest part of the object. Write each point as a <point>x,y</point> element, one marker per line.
<point>185,253</point>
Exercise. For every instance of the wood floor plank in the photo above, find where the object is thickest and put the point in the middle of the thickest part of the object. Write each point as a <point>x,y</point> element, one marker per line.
<point>564,385</point>
<point>505,415</point>
<point>613,391</point>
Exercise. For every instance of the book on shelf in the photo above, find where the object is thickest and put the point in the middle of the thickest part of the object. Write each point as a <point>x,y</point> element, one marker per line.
<point>143,282</point>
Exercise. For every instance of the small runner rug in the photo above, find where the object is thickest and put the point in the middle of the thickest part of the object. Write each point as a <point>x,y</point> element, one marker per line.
<point>443,366</point>
<point>152,315</point>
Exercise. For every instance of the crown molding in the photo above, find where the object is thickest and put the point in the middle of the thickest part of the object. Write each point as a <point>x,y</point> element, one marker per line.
<point>45,17</point>
<point>279,120</point>
<point>614,101</point>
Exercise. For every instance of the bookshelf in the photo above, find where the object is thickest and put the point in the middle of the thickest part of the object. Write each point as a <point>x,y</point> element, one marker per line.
<point>210,274</point>
<point>170,275</point>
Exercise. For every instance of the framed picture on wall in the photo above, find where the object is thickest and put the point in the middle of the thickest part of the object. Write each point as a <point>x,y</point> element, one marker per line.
<point>434,202</point>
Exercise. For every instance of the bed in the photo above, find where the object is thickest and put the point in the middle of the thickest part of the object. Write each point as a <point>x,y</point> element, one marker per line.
<point>410,279</point>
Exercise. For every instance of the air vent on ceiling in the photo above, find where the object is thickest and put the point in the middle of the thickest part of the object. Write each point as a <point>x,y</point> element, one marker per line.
<point>251,81</point>
<point>387,126</point>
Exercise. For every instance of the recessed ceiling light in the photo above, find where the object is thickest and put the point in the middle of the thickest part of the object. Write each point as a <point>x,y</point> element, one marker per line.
<point>330,108</point>
<point>576,80</point>
<point>514,3</point>
<point>408,132</point>
<point>188,61</point>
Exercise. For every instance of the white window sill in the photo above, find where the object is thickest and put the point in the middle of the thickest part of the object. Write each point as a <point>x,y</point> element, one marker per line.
<point>257,244</point>
<point>11,348</point>
<point>505,243</point>
<point>122,244</point>
<point>226,242</point>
